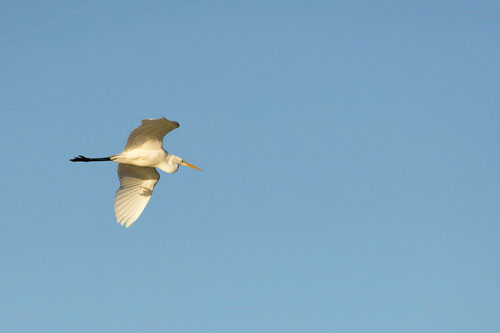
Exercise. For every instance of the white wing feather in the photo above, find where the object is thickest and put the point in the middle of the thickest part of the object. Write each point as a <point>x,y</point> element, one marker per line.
<point>150,134</point>
<point>136,187</point>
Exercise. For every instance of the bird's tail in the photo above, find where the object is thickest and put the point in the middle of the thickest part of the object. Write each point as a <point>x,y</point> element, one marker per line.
<point>81,158</point>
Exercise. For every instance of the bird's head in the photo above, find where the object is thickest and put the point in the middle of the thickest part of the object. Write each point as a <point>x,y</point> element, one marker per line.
<point>173,164</point>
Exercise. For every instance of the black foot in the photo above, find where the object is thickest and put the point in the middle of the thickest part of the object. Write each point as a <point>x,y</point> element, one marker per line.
<point>80,158</point>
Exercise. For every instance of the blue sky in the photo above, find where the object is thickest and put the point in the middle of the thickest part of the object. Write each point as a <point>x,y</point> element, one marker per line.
<point>350,155</point>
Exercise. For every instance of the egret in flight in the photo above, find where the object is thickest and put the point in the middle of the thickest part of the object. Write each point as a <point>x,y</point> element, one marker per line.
<point>136,167</point>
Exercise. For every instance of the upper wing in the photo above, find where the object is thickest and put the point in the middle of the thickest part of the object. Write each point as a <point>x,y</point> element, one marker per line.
<point>150,133</point>
<point>136,187</point>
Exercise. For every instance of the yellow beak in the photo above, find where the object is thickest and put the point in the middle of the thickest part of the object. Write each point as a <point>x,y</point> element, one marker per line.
<point>192,166</point>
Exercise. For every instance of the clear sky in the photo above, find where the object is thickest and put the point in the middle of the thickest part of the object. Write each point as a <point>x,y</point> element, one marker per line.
<point>350,154</point>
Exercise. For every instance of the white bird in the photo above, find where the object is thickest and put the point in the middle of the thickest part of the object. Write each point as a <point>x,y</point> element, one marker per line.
<point>136,167</point>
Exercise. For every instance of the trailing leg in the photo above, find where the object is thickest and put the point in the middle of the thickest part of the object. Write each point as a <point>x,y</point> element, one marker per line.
<point>81,158</point>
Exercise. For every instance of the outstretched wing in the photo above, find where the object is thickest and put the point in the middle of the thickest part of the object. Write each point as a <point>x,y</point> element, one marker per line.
<point>136,187</point>
<point>150,134</point>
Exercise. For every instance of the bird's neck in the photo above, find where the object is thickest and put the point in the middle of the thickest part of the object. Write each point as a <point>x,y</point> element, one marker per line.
<point>170,164</point>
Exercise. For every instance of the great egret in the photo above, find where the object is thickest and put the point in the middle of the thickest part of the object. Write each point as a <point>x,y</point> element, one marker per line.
<point>136,167</point>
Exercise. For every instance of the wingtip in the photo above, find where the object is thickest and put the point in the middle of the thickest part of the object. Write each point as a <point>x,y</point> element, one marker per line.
<point>173,121</point>
<point>122,223</point>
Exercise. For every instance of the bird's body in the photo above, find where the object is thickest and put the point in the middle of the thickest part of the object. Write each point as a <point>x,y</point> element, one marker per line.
<point>136,167</point>
<point>143,157</point>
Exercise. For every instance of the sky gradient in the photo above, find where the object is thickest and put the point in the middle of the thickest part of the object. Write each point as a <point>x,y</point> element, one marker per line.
<point>350,155</point>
